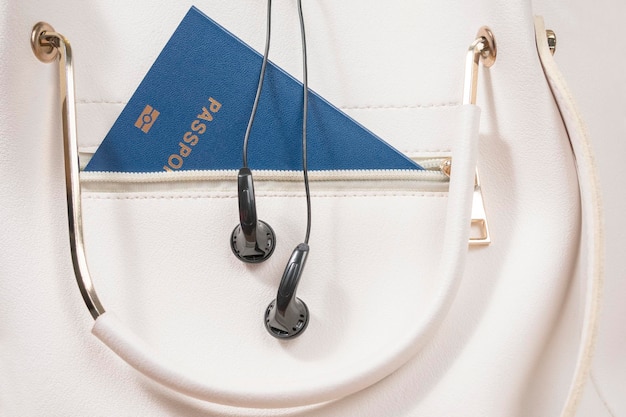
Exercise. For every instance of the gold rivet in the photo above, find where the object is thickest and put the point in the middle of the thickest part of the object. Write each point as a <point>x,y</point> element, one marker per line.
<point>446,167</point>
<point>44,51</point>
<point>490,52</point>
<point>551,40</point>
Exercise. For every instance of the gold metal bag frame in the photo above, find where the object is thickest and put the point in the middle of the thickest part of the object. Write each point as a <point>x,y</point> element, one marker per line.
<point>48,45</point>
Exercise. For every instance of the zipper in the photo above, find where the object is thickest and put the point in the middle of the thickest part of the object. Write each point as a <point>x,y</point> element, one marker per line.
<point>433,178</point>
<point>432,172</point>
<point>272,182</point>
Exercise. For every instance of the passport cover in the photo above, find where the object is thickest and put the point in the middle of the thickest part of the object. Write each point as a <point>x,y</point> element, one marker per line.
<point>191,110</point>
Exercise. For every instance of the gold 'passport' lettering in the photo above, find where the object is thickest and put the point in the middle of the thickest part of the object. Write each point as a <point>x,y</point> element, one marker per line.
<point>190,139</point>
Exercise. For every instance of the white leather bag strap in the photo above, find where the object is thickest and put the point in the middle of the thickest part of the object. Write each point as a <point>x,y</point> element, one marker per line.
<point>121,340</point>
<point>592,236</point>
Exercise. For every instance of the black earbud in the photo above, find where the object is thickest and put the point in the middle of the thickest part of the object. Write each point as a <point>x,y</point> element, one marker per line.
<point>288,316</point>
<point>252,240</point>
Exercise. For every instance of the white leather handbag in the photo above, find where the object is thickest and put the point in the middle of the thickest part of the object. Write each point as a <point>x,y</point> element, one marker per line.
<point>408,316</point>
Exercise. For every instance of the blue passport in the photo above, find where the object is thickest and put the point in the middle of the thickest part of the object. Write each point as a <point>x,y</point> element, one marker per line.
<point>191,110</point>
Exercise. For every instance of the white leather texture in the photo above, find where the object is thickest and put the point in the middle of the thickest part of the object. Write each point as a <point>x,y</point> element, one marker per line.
<point>592,218</point>
<point>509,343</point>
<point>598,83</point>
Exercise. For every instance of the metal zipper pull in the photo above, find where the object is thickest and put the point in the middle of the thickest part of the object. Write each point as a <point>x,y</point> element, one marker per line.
<point>479,218</point>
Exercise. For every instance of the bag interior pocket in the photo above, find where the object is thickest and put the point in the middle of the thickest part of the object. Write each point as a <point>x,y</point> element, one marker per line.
<point>159,253</point>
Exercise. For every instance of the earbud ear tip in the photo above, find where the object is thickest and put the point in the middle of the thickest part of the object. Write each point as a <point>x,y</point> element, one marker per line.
<point>258,251</point>
<point>294,328</point>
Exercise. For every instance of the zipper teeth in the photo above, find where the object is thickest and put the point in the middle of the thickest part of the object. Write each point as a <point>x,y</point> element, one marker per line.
<point>432,164</point>
<point>428,174</point>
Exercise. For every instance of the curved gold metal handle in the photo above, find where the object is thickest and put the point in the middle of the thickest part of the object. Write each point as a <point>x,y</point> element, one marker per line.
<point>48,45</point>
<point>484,47</point>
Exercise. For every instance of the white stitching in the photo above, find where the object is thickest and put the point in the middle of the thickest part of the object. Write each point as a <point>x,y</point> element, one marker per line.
<point>364,107</point>
<point>409,151</point>
<point>100,102</point>
<point>600,395</point>
<point>196,197</point>
<point>399,107</point>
